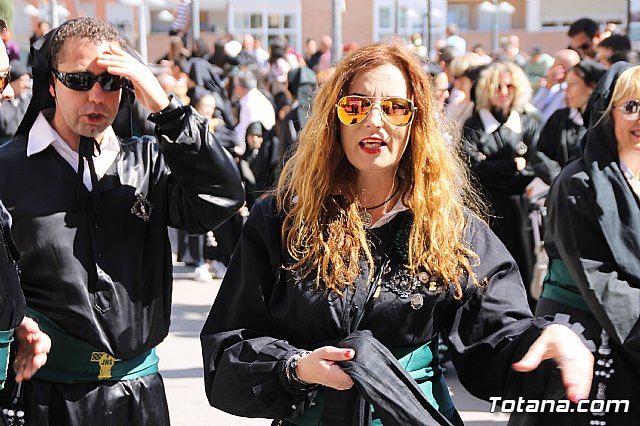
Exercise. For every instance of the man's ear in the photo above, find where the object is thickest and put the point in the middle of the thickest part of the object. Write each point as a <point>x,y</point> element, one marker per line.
<point>52,88</point>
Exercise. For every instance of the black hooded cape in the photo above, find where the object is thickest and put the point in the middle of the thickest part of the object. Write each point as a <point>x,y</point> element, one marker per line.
<point>592,227</point>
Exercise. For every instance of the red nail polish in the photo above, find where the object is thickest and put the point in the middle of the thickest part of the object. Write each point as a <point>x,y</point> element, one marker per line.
<point>347,353</point>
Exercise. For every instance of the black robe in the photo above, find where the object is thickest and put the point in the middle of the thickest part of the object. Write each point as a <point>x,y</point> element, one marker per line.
<point>592,227</point>
<point>11,299</point>
<point>264,313</point>
<point>491,158</point>
<point>88,262</point>
<point>560,137</point>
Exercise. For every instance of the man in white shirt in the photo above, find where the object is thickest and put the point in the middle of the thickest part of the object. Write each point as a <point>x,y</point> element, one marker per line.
<point>91,206</point>
<point>254,106</point>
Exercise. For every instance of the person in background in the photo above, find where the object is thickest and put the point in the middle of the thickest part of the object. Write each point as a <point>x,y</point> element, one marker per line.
<point>551,95</point>
<point>12,111</point>
<point>254,106</point>
<point>460,105</point>
<point>441,90</point>
<point>510,50</point>
<point>417,47</point>
<point>537,66</point>
<point>262,55</point>
<point>260,162</point>
<point>368,249</point>
<point>584,35</point>
<point>12,48</point>
<point>321,59</point>
<point>454,40</point>
<point>310,48</point>
<point>561,135</point>
<point>42,27</point>
<point>444,58</point>
<point>610,46</point>
<point>181,21</point>
<point>500,142</point>
<point>247,55</point>
<point>478,48</point>
<point>302,84</point>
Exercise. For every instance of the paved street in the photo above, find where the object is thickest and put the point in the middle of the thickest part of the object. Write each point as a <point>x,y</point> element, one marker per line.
<point>181,364</point>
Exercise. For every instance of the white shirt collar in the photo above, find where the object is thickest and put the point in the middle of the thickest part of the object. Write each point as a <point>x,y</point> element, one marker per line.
<point>399,207</point>
<point>42,135</point>
<point>575,116</point>
<point>490,123</point>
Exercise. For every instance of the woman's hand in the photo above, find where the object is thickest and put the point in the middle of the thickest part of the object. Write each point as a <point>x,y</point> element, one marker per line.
<point>33,347</point>
<point>320,367</point>
<point>567,350</point>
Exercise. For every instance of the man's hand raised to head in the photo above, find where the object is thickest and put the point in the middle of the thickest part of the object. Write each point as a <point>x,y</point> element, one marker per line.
<point>148,90</point>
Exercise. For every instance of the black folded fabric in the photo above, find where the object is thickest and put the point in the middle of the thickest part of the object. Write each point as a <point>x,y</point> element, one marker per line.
<point>379,381</point>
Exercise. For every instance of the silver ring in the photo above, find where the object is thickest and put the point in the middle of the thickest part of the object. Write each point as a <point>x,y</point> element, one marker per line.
<point>567,358</point>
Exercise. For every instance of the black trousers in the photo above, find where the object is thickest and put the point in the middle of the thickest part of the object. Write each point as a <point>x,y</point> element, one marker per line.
<point>137,402</point>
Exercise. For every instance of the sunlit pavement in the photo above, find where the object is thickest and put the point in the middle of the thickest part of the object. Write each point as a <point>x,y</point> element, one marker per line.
<point>181,364</point>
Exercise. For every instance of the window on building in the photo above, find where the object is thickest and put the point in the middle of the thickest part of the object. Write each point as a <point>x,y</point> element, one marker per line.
<point>248,20</point>
<point>268,24</point>
<point>485,21</point>
<point>408,22</point>
<point>458,14</point>
<point>385,18</point>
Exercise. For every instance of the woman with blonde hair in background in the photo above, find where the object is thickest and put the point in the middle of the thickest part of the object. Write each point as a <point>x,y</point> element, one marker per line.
<point>500,142</point>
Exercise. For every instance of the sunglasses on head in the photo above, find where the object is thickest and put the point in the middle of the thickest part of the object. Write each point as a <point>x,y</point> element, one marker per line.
<point>630,110</point>
<point>83,81</point>
<point>4,79</point>
<point>354,109</point>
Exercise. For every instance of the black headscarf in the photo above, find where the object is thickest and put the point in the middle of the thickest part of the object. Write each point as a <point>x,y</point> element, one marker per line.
<point>42,99</point>
<point>620,212</point>
<point>302,84</point>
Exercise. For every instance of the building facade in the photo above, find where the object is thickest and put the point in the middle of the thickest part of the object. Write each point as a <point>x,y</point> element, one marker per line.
<point>542,22</point>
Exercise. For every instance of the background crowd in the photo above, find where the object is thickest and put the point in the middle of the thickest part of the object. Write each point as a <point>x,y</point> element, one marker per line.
<point>257,97</point>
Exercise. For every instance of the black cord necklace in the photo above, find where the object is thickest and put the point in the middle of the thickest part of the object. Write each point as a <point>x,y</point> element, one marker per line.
<point>367,220</point>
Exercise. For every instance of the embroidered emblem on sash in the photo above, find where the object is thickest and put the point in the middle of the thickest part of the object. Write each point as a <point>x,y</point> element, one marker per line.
<point>142,208</point>
<point>106,363</point>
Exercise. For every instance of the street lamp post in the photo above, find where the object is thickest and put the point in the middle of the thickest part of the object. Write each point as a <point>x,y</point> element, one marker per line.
<point>496,7</point>
<point>428,35</point>
<point>336,46</point>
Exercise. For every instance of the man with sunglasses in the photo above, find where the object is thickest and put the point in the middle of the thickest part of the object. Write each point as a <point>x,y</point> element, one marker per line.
<point>91,206</point>
<point>585,37</point>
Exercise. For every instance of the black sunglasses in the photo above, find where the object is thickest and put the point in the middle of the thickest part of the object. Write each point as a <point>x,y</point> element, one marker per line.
<point>585,45</point>
<point>83,81</point>
<point>4,80</point>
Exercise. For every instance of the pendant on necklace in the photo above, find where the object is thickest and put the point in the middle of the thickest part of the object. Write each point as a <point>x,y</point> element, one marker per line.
<point>366,218</point>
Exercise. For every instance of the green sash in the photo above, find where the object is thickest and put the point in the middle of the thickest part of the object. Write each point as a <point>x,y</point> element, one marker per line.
<point>420,363</point>
<point>559,286</point>
<point>73,360</point>
<point>6,337</point>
